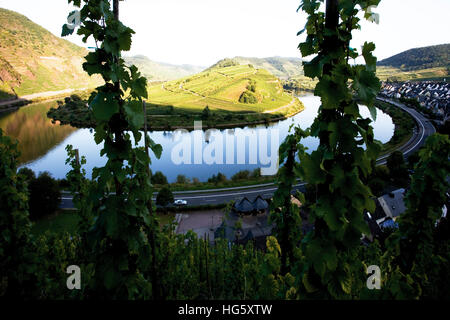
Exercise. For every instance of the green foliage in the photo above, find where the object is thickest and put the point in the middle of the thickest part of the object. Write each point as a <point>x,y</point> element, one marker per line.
<point>182,179</point>
<point>16,246</point>
<point>164,197</point>
<point>27,173</point>
<point>252,86</point>
<point>116,106</point>
<point>241,175</point>
<point>159,178</point>
<point>397,169</point>
<point>248,97</point>
<point>45,196</point>
<point>339,163</point>
<point>284,213</point>
<point>420,253</point>
<point>219,178</point>
<point>206,113</point>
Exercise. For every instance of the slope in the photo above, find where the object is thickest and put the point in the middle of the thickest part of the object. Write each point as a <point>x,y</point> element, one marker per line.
<point>420,58</point>
<point>33,60</point>
<point>222,89</point>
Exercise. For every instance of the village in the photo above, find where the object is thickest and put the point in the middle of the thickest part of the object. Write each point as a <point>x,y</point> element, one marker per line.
<point>432,95</point>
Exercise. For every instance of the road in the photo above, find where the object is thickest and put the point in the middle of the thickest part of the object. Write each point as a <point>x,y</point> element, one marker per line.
<point>43,95</point>
<point>220,196</point>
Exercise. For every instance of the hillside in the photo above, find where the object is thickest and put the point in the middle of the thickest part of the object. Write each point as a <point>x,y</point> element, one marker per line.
<point>420,58</point>
<point>158,71</point>
<point>222,89</point>
<point>33,60</point>
<point>280,67</point>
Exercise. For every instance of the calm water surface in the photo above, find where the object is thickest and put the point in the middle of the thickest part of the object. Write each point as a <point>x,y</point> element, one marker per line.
<point>42,144</point>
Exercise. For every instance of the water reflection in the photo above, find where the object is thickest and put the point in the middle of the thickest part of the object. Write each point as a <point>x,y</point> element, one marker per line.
<point>35,132</point>
<point>42,143</point>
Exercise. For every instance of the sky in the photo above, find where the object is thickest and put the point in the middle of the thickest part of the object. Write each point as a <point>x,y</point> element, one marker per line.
<point>201,32</point>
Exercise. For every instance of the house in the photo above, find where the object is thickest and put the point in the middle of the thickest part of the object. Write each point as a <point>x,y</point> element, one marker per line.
<point>254,228</point>
<point>246,207</point>
<point>393,203</point>
<point>387,209</point>
<point>243,206</point>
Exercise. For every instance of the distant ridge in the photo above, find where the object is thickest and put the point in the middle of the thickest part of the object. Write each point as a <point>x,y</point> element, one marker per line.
<point>160,71</point>
<point>420,58</point>
<point>280,67</point>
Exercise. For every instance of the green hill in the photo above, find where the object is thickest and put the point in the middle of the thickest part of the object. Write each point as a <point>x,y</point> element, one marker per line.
<point>420,58</point>
<point>33,60</point>
<point>158,71</point>
<point>223,89</point>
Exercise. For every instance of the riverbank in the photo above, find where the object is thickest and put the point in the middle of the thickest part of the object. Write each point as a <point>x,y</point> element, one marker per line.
<point>404,126</point>
<point>76,113</point>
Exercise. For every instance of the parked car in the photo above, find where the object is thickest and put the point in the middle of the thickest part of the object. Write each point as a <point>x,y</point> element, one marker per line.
<point>180,202</point>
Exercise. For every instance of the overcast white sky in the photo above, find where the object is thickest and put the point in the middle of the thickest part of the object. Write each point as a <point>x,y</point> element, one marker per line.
<point>201,32</point>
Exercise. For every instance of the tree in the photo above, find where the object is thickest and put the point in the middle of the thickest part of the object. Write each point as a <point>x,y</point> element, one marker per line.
<point>248,97</point>
<point>27,173</point>
<point>241,175</point>
<point>206,113</point>
<point>45,196</point>
<point>159,178</point>
<point>219,178</point>
<point>182,179</point>
<point>164,197</point>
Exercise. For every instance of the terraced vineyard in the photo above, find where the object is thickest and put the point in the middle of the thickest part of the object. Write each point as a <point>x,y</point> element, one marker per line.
<point>220,90</point>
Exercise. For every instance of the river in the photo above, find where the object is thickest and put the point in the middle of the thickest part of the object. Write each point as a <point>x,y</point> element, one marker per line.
<point>198,153</point>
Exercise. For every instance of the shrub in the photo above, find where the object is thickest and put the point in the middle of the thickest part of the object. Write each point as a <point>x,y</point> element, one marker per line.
<point>241,175</point>
<point>248,97</point>
<point>182,179</point>
<point>219,178</point>
<point>45,196</point>
<point>164,197</point>
<point>256,173</point>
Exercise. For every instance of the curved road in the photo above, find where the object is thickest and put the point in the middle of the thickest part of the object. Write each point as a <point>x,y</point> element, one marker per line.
<point>220,196</point>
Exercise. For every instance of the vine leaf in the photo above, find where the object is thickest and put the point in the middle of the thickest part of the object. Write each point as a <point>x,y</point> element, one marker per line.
<point>104,106</point>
